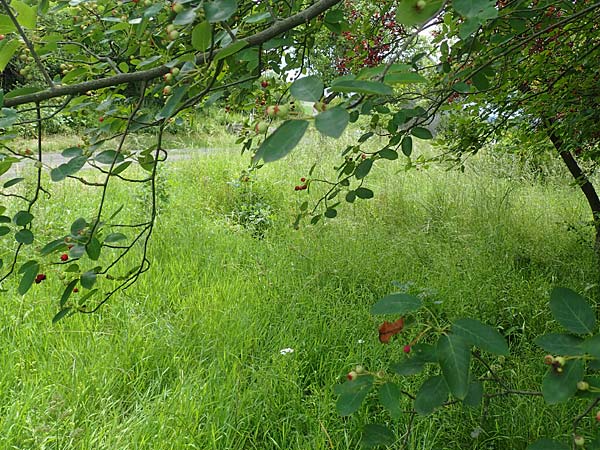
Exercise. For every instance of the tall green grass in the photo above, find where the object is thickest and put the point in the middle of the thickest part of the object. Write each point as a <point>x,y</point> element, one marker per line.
<point>190,357</point>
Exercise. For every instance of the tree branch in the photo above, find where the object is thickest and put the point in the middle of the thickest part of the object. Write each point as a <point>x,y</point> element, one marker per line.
<point>261,37</point>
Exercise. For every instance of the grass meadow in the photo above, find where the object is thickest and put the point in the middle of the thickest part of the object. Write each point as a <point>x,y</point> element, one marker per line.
<point>190,357</point>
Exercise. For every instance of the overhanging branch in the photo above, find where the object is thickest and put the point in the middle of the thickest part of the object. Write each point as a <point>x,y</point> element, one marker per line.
<point>274,30</point>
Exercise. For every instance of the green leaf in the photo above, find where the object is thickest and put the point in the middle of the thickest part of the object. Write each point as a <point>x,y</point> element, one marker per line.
<point>22,218</point>
<point>375,435</point>
<point>364,193</point>
<point>454,356</point>
<point>560,387</point>
<point>259,17</point>
<point>308,89</point>
<point>88,279</point>
<point>12,182</point>
<point>480,81</point>
<point>61,314</point>
<point>28,277</point>
<point>230,50</point>
<point>93,249</point>
<point>560,344</point>
<point>26,15</point>
<point>474,395</point>
<point>201,36</point>
<point>350,196</point>
<point>109,156</point>
<point>185,17</point>
<point>404,78</point>
<point>6,53</point>
<point>572,311</point>
<point>115,237</point>
<point>219,10</point>
<point>22,91</point>
<point>332,122</point>
<point>330,213</point>
<point>78,225</point>
<point>24,236</point>
<point>4,230</point>
<point>433,394</point>
<point>397,304</point>
<point>363,169</point>
<point>362,87</point>
<point>409,13</point>
<point>479,9</point>
<point>590,346</point>
<point>282,141</point>
<point>407,145</point>
<point>462,88</point>
<point>352,393</point>
<point>68,291</point>
<point>67,169</point>
<point>421,133</point>
<point>389,397</point>
<point>388,153</point>
<point>547,444</point>
<point>410,366</point>
<point>6,25</point>
<point>480,335</point>
<point>172,103</point>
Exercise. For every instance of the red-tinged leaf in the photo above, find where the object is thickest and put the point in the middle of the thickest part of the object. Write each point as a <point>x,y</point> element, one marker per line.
<point>389,329</point>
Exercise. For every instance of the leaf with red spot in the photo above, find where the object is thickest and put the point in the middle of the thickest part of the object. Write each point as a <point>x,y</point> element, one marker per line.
<point>389,329</point>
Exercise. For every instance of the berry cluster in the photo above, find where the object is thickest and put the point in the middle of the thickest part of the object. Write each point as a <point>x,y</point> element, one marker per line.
<point>301,187</point>
<point>39,278</point>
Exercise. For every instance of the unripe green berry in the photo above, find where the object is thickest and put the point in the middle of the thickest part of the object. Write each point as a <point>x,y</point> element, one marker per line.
<point>560,360</point>
<point>583,385</point>
<point>579,440</point>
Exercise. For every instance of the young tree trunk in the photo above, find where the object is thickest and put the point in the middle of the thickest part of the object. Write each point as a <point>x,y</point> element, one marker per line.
<point>583,182</point>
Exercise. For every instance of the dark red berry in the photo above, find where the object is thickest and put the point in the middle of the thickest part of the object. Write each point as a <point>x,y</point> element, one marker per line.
<point>303,179</point>
<point>39,278</point>
<point>75,290</point>
<point>264,84</point>
<point>406,349</point>
<point>64,257</point>
<point>297,188</point>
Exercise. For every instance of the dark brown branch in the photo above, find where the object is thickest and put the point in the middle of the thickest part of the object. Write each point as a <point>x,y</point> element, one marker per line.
<point>276,29</point>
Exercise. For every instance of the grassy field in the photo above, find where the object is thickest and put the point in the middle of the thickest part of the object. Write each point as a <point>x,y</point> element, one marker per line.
<point>191,356</point>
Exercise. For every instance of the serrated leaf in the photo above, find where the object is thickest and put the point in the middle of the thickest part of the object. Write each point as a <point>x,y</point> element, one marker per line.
<point>397,304</point>
<point>479,9</point>
<point>307,89</point>
<point>6,53</point>
<point>185,17</point>
<point>201,36</point>
<point>572,311</point>
<point>480,335</point>
<point>432,394</point>
<point>26,15</point>
<point>560,387</point>
<point>375,435</point>
<point>219,10</point>
<point>560,344</point>
<point>109,156</point>
<point>454,356</point>
<point>388,153</point>
<point>389,397</point>
<point>115,237</point>
<point>332,122</point>
<point>590,346</point>
<point>352,394</point>
<point>281,141</point>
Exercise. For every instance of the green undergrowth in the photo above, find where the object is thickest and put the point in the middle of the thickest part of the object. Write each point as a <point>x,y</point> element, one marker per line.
<point>195,354</point>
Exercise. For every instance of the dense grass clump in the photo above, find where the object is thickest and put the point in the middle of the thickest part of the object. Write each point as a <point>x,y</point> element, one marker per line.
<point>196,355</point>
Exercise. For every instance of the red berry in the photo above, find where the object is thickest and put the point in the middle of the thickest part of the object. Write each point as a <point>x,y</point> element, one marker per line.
<point>100,119</point>
<point>351,375</point>
<point>598,416</point>
<point>303,179</point>
<point>297,188</point>
<point>75,290</point>
<point>64,257</point>
<point>406,349</point>
<point>264,83</point>
<point>39,278</point>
